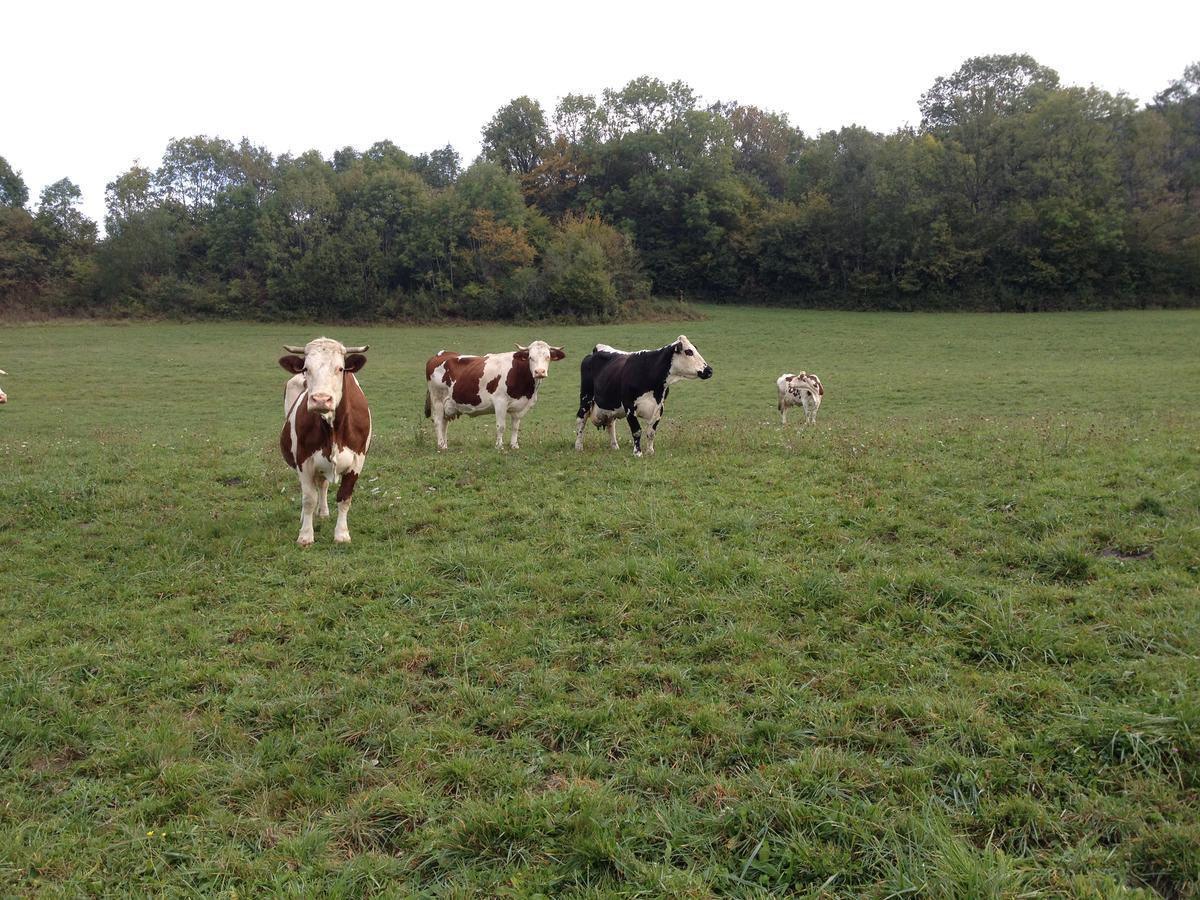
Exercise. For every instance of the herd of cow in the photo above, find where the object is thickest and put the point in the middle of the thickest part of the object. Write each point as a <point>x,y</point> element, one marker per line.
<point>327,423</point>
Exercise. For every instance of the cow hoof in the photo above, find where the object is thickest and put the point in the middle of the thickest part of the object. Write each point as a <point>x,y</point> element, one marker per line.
<point>303,541</point>
<point>341,538</point>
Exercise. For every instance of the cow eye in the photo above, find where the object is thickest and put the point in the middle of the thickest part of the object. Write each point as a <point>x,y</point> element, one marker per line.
<point>689,352</point>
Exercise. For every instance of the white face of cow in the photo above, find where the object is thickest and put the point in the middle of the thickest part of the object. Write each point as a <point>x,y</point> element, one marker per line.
<point>687,361</point>
<point>323,365</point>
<point>540,355</point>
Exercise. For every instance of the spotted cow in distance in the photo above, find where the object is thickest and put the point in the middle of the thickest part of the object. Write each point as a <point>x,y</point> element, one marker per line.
<point>614,384</point>
<point>506,384</point>
<point>326,429</point>
<point>3,396</point>
<point>800,389</point>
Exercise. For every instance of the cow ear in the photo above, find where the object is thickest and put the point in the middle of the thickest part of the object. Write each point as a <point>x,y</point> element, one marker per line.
<point>355,361</point>
<point>522,355</point>
<point>294,364</point>
<point>678,348</point>
<point>557,353</point>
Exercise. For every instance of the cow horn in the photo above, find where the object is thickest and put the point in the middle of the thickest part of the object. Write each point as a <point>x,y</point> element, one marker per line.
<point>363,349</point>
<point>2,372</point>
<point>559,349</point>
<point>519,347</point>
<point>291,349</point>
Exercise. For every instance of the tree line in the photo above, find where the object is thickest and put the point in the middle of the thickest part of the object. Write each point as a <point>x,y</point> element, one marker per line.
<point>1014,192</point>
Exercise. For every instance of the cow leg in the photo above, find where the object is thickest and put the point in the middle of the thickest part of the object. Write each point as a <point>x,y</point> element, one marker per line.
<point>516,428</point>
<point>581,418</point>
<point>322,497</point>
<point>308,505</point>
<point>612,436</point>
<point>636,428</point>
<point>438,411</point>
<point>341,531</point>
<point>501,415</point>
<point>649,435</point>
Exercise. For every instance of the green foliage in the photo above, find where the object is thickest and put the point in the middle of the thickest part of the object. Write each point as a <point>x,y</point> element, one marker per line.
<point>1016,192</point>
<point>13,192</point>
<point>515,136</point>
<point>864,658</point>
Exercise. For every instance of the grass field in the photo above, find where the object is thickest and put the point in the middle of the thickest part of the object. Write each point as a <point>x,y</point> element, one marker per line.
<point>944,643</point>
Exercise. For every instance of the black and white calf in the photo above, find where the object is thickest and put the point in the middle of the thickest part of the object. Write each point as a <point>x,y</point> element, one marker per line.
<point>802,389</point>
<point>614,384</point>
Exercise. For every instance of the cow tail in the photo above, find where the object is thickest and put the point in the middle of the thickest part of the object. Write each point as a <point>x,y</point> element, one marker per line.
<point>428,407</point>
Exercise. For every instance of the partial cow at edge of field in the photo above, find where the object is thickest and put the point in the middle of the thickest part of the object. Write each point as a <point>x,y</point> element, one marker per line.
<point>800,389</point>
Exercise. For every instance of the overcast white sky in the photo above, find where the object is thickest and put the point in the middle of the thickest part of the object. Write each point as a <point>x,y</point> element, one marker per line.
<point>87,88</point>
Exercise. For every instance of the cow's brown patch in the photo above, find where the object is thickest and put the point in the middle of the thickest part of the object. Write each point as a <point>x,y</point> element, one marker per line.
<point>491,385</point>
<point>346,488</point>
<point>352,422</point>
<point>312,434</point>
<point>434,361</point>
<point>467,375</point>
<point>520,382</point>
<point>285,443</point>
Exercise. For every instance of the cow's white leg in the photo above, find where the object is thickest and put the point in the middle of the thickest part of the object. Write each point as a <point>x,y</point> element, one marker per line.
<point>782,411</point>
<point>341,531</point>
<point>516,428</point>
<point>308,505</point>
<point>501,415</point>
<point>650,429</point>
<point>613,444</point>
<point>322,497</point>
<point>438,409</point>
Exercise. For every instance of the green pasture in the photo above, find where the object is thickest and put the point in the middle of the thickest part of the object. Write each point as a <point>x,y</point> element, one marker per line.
<point>944,643</point>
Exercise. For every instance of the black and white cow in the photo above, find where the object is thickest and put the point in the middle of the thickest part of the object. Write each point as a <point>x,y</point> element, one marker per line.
<point>3,396</point>
<point>614,384</point>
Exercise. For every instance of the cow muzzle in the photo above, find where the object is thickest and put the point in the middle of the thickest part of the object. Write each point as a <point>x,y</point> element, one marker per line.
<point>539,374</point>
<point>320,402</point>
<point>706,373</point>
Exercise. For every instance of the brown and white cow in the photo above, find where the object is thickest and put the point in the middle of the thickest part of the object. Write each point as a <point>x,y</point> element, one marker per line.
<point>800,389</point>
<point>3,396</point>
<point>503,383</point>
<point>326,429</point>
